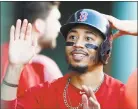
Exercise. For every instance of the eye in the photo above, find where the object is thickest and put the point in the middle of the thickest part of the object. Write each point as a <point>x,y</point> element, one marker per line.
<point>88,38</point>
<point>72,37</point>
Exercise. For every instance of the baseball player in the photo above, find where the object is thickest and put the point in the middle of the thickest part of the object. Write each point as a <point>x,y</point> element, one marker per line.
<point>88,47</point>
<point>42,68</point>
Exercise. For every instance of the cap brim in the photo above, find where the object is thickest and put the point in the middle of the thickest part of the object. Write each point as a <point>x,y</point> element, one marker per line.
<point>67,27</point>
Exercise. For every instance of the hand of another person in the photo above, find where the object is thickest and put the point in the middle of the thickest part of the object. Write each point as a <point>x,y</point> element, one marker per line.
<point>124,27</point>
<point>22,44</point>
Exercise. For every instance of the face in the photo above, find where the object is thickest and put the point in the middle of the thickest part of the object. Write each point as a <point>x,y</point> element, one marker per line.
<point>82,47</point>
<point>52,28</point>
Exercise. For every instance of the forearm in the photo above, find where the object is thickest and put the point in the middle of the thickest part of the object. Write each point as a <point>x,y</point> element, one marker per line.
<point>12,76</point>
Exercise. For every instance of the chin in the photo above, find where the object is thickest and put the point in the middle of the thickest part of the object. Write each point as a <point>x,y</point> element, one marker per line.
<point>78,68</point>
<point>53,44</point>
<point>48,44</point>
<point>77,64</point>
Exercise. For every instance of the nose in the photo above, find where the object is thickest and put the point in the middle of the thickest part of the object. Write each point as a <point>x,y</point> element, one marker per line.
<point>59,24</point>
<point>78,44</point>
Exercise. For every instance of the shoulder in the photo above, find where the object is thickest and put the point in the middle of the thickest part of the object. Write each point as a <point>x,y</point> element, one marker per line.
<point>51,85</point>
<point>38,89</point>
<point>116,89</point>
<point>43,59</point>
<point>46,62</point>
<point>60,81</point>
<point>113,83</point>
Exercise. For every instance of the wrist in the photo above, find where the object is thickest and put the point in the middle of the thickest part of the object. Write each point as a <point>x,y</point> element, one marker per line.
<point>10,84</point>
<point>16,65</point>
<point>13,73</point>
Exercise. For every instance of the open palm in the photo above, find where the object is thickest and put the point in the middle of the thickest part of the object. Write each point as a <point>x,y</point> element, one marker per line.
<point>22,45</point>
<point>124,27</point>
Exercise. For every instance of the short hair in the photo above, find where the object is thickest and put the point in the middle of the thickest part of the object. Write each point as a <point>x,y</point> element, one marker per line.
<point>33,10</point>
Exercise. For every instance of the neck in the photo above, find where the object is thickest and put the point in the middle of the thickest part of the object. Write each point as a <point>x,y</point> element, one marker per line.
<point>91,78</point>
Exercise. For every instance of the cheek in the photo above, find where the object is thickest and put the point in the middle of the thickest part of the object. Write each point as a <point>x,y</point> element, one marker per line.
<point>68,55</point>
<point>55,25</point>
<point>92,57</point>
<point>67,50</point>
<point>52,29</point>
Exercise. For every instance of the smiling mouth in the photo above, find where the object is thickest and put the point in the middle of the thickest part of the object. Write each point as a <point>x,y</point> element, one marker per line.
<point>79,55</point>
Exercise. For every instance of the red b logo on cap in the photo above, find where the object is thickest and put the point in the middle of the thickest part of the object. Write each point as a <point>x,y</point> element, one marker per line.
<point>83,16</point>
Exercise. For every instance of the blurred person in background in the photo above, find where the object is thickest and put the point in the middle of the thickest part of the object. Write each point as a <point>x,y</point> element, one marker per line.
<point>44,17</point>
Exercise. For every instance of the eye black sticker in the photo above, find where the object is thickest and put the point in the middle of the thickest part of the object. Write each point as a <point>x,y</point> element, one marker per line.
<point>70,43</point>
<point>91,46</point>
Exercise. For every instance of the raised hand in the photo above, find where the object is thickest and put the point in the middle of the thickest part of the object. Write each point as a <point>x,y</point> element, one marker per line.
<point>89,99</point>
<point>22,44</point>
<point>124,27</point>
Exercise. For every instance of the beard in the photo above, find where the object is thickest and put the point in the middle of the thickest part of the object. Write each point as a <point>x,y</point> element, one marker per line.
<point>78,69</point>
<point>81,69</point>
<point>46,43</point>
<point>94,60</point>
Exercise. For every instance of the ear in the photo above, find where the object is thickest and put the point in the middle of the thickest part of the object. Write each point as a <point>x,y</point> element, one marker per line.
<point>39,26</point>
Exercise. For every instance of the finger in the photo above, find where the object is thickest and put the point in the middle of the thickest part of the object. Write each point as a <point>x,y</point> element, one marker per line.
<point>116,35</point>
<point>30,39</point>
<point>85,101</point>
<point>17,30</point>
<point>28,32</point>
<point>23,29</point>
<point>92,93</point>
<point>85,88</point>
<point>110,18</point>
<point>113,21</point>
<point>93,102</point>
<point>12,30</point>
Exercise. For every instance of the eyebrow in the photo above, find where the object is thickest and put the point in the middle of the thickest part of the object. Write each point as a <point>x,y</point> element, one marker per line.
<point>87,31</point>
<point>90,32</point>
<point>74,31</point>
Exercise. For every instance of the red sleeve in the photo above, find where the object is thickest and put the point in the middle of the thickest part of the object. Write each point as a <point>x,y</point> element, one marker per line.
<point>4,59</point>
<point>29,78</point>
<point>32,99</point>
<point>123,102</point>
<point>8,104</point>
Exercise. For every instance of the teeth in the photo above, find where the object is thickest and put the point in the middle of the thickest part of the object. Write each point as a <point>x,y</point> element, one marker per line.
<point>78,56</point>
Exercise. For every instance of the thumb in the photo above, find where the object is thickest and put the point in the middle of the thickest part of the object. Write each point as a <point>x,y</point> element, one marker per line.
<point>85,101</point>
<point>117,34</point>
